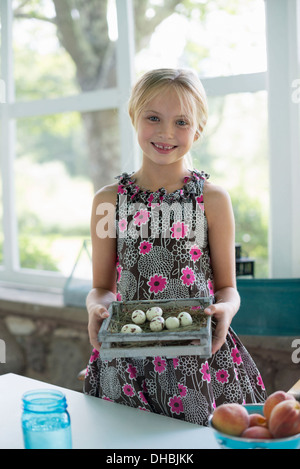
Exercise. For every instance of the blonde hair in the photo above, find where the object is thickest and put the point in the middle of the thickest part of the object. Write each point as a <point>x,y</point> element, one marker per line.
<point>187,85</point>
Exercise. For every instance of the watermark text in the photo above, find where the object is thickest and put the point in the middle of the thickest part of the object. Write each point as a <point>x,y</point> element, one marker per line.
<point>296,353</point>
<point>296,92</point>
<point>166,220</point>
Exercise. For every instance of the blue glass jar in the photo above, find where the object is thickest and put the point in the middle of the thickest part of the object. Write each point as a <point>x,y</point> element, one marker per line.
<point>45,420</point>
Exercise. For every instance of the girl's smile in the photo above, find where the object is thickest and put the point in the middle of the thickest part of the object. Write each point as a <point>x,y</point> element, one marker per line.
<point>163,148</point>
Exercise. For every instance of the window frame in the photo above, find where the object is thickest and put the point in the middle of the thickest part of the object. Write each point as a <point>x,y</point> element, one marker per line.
<point>284,256</point>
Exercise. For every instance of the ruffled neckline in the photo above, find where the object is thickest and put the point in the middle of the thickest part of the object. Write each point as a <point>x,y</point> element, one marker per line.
<point>127,185</point>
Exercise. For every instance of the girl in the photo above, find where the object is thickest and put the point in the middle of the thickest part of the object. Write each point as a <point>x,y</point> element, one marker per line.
<point>188,259</point>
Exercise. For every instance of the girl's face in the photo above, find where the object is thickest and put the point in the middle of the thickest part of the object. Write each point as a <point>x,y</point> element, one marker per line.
<point>165,135</point>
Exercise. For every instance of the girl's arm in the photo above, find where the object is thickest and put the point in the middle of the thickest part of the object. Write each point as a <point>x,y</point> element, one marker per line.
<point>221,238</point>
<point>103,260</point>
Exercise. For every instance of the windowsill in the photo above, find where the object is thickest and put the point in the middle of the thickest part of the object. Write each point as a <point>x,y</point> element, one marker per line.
<point>24,302</point>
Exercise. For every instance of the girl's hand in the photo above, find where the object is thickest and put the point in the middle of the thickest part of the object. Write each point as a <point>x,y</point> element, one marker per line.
<point>97,314</point>
<point>223,313</point>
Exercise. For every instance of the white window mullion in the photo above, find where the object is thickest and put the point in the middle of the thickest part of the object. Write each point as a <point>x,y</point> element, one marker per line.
<point>283,139</point>
<point>125,77</point>
<point>98,100</point>
<point>10,247</point>
<point>294,71</point>
<point>246,83</point>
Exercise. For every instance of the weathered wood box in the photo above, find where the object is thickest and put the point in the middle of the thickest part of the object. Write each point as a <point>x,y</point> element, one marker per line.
<point>166,343</point>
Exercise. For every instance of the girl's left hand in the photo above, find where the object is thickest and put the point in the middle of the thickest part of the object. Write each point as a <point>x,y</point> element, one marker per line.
<point>223,313</point>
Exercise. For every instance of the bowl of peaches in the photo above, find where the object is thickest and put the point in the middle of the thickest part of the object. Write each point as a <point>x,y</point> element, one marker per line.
<point>275,424</point>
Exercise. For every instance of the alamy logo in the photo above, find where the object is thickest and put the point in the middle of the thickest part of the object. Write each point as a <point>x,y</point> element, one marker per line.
<point>2,351</point>
<point>160,219</point>
<point>296,92</point>
<point>296,353</point>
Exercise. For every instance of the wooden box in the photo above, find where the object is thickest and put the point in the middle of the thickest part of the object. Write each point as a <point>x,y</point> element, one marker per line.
<point>166,343</point>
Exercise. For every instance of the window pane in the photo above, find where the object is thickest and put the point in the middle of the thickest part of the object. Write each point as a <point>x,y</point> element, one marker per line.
<point>1,201</point>
<point>234,150</point>
<point>214,37</point>
<point>66,48</point>
<point>56,175</point>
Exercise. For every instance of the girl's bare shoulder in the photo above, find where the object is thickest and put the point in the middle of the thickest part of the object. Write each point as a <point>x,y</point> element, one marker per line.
<point>214,193</point>
<point>216,200</point>
<point>107,194</point>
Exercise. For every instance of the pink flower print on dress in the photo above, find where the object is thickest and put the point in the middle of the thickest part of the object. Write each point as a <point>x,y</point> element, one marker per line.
<point>144,387</point>
<point>260,382</point>
<point>94,355</point>
<point>175,363</point>
<point>236,356</point>
<point>182,390</point>
<point>176,405</point>
<point>210,287</point>
<point>132,371</point>
<point>145,247</point>
<point>187,277</point>
<point>123,224</point>
<point>179,230</point>
<point>121,189</point>
<point>200,202</point>
<point>157,283</point>
<point>159,364</point>
<point>128,390</point>
<point>222,376</point>
<point>142,397</point>
<point>119,272</point>
<point>150,200</point>
<point>141,217</point>
<point>195,253</point>
<point>119,297</point>
<point>205,372</point>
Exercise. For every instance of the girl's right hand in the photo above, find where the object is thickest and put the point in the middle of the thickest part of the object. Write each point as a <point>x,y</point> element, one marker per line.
<point>97,314</point>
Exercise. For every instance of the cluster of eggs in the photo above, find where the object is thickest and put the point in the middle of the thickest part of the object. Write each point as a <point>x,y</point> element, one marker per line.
<point>157,323</point>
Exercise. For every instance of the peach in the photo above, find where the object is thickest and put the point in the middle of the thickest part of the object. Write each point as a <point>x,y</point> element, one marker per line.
<point>285,419</point>
<point>231,419</point>
<point>257,432</point>
<point>257,420</point>
<point>274,399</point>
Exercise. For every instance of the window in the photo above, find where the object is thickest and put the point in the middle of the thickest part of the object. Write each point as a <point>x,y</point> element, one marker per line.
<point>63,124</point>
<point>65,130</point>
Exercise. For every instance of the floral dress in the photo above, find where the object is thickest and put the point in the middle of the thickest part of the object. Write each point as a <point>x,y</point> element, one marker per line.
<point>162,253</point>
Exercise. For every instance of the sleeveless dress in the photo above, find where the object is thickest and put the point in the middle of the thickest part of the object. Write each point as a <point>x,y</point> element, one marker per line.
<point>162,253</point>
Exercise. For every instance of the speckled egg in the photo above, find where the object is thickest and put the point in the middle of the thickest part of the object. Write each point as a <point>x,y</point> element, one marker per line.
<point>157,324</point>
<point>172,323</point>
<point>138,316</point>
<point>185,318</point>
<point>153,312</point>
<point>131,329</point>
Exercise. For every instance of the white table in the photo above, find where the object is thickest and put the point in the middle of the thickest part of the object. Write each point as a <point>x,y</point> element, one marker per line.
<point>99,424</point>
